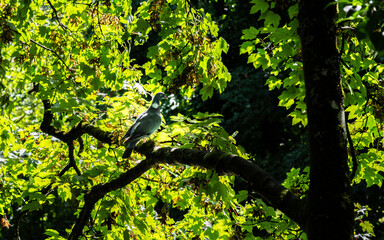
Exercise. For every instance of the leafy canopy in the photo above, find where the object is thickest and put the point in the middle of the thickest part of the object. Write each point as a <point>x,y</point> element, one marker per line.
<point>94,60</point>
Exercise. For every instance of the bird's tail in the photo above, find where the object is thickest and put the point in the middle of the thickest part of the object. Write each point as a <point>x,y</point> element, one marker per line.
<point>129,149</point>
<point>127,152</point>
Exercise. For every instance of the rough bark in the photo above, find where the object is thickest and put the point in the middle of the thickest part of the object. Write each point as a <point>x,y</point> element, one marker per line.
<point>329,208</point>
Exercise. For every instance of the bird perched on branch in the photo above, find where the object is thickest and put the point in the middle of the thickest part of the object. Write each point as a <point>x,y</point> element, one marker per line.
<point>146,124</point>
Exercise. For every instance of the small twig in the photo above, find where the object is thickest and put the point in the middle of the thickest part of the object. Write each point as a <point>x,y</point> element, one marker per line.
<point>347,28</point>
<point>55,53</point>
<point>50,50</point>
<point>98,18</point>
<point>57,17</point>
<point>152,180</point>
<point>353,153</point>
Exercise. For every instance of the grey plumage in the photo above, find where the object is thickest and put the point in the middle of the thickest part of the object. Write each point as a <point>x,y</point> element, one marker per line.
<point>146,124</point>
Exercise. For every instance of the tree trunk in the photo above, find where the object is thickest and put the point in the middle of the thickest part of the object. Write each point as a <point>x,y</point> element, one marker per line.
<point>329,208</point>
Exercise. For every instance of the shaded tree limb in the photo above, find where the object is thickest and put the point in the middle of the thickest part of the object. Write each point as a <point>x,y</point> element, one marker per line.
<point>46,126</point>
<point>16,230</point>
<point>222,163</point>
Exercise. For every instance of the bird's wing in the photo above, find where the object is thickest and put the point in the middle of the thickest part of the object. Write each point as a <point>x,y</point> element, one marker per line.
<point>147,125</point>
<point>134,125</point>
<point>130,131</point>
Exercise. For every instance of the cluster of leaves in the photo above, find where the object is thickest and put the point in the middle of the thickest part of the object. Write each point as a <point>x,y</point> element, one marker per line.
<point>298,181</point>
<point>201,132</point>
<point>368,17</point>
<point>365,230</point>
<point>275,47</point>
<point>128,212</point>
<point>86,59</point>
<point>91,45</point>
<point>189,51</point>
<point>165,202</point>
<point>78,56</point>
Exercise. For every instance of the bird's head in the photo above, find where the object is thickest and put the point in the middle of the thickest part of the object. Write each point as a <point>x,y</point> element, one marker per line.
<point>157,98</point>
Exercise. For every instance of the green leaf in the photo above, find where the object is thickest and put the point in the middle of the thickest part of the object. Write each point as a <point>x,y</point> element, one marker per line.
<point>293,11</point>
<point>259,5</point>
<point>273,82</point>
<point>64,191</point>
<point>55,235</point>
<point>368,227</point>
<point>249,34</point>
<point>223,45</point>
<point>242,195</point>
<point>206,92</point>
<point>271,19</point>
<point>32,206</point>
<point>298,117</point>
<point>247,47</point>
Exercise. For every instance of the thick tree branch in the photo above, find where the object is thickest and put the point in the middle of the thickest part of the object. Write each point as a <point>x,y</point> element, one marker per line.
<point>81,143</point>
<point>222,163</point>
<point>261,182</point>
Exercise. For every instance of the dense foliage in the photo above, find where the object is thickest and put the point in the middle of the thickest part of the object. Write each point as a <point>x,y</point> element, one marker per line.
<point>95,62</point>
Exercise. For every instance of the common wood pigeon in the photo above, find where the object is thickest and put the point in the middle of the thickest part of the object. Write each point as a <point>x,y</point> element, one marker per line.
<point>146,124</point>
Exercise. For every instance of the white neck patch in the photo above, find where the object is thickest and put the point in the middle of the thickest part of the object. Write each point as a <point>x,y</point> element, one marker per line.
<point>155,105</point>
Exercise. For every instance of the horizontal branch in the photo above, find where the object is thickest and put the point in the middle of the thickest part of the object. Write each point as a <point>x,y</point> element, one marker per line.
<point>225,164</point>
<point>222,163</point>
